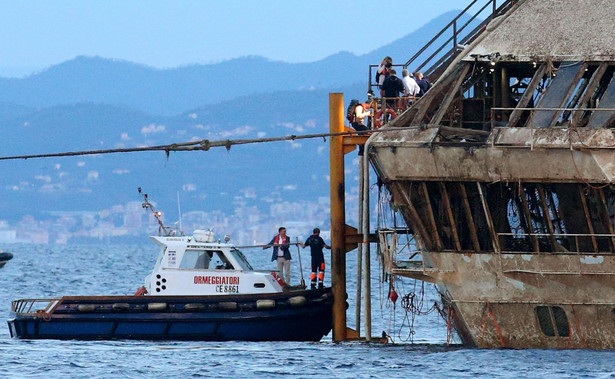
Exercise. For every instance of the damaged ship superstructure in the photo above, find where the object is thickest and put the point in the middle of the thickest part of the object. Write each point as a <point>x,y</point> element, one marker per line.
<point>504,171</point>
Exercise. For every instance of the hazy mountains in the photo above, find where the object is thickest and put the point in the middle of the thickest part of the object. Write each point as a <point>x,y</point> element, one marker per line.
<point>92,103</point>
<point>172,91</point>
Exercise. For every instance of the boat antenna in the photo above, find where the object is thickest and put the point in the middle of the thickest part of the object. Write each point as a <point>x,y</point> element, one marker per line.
<point>179,211</point>
<point>157,214</point>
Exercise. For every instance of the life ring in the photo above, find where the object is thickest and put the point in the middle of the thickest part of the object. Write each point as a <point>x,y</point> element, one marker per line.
<point>278,278</point>
<point>379,117</point>
<point>44,315</point>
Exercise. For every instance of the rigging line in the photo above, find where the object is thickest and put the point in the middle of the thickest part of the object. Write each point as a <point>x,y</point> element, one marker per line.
<point>204,145</point>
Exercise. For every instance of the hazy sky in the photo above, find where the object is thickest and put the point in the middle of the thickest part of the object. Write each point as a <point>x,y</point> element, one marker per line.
<point>37,34</point>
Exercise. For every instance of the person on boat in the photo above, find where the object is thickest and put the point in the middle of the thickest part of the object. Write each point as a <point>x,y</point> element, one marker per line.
<point>316,243</point>
<point>281,253</point>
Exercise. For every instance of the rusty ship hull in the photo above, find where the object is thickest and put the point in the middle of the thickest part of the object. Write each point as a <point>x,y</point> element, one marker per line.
<point>504,172</point>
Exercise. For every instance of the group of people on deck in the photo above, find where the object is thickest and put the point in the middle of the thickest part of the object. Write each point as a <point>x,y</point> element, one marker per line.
<point>412,84</point>
<point>281,255</point>
<point>399,93</point>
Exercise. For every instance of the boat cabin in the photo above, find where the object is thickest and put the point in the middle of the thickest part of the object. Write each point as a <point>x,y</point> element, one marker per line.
<point>198,265</point>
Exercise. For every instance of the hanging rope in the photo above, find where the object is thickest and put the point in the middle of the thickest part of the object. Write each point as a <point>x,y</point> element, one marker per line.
<point>495,323</point>
<point>413,305</point>
<point>203,145</point>
<point>449,325</point>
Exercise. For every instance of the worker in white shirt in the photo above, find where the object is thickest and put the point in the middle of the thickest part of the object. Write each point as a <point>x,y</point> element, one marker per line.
<point>411,88</point>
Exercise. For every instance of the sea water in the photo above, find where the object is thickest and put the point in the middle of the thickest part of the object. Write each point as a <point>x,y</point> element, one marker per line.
<point>421,351</point>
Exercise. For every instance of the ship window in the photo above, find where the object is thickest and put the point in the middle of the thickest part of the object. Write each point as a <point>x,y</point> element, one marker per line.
<point>561,321</point>
<point>259,285</point>
<point>552,320</point>
<point>544,318</point>
<point>198,259</point>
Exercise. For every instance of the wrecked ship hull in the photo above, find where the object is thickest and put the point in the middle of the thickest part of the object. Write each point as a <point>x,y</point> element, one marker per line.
<point>504,171</point>
<point>519,263</point>
<point>514,300</point>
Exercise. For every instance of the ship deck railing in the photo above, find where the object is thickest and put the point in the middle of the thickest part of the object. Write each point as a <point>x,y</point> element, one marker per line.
<point>500,116</point>
<point>454,36</point>
<point>33,306</point>
<point>401,103</point>
<point>548,239</point>
<point>560,242</point>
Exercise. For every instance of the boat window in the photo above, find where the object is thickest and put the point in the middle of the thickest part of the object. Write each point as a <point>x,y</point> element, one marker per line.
<point>241,259</point>
<point>198,259</point>
<point>220,261</point>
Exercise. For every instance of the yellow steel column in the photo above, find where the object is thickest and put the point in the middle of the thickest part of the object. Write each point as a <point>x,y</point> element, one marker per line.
<point>338,216</point>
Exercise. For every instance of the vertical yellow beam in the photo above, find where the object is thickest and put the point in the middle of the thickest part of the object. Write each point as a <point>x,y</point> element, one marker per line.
<point>338,216</point>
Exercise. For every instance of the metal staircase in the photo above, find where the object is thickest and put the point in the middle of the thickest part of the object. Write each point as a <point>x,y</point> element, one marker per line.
<point>454,37</point>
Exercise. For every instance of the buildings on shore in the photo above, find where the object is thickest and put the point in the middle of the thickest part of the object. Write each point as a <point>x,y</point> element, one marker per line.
<point>130,223</point>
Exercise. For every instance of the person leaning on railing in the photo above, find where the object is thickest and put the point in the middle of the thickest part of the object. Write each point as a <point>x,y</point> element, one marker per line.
<point>281,253</point>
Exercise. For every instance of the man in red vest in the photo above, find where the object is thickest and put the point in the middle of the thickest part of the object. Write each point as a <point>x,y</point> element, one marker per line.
<point>281,253</point>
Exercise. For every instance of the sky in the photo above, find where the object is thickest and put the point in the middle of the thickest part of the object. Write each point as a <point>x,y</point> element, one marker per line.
<point>37,34</point>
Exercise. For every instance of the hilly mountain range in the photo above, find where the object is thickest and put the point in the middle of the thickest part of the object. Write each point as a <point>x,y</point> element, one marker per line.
<point>92,103</point>
<point>172,91</point>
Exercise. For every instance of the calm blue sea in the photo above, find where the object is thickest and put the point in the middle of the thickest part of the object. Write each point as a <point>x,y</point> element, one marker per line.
<point>40,271</point>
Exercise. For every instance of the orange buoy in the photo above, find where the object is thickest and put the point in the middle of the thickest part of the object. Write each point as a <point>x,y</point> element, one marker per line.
<point>379,117</point>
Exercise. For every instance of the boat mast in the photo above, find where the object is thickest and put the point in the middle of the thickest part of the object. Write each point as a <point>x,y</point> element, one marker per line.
<point>157,214</point>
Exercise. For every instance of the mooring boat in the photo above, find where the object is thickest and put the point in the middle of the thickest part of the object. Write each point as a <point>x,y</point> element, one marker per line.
<point>199,289</point>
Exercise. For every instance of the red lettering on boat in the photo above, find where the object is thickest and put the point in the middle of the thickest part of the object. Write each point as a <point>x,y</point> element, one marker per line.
<point>198,279</point>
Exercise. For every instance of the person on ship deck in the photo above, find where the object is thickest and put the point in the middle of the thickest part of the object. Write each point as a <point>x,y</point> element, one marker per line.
<point>281,253</point>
